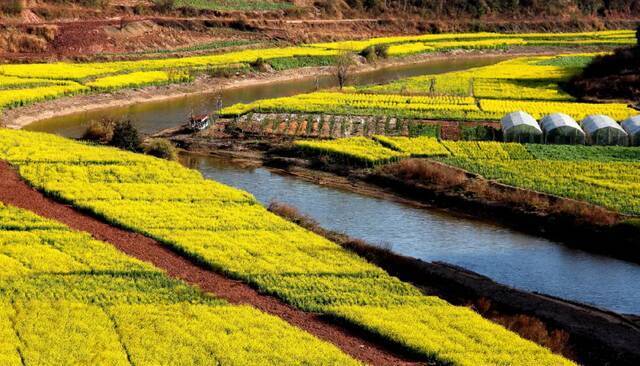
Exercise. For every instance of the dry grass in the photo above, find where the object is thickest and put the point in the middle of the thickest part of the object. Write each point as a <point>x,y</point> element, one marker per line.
<point>99,131</point>
<point>430,173</point>
<point>14,41</point>
<point>424,171</point>
<point>528,327</point>
<point>294,215</point>
<point>534,201</point>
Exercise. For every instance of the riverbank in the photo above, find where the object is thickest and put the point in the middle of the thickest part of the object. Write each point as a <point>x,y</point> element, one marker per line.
<point>589,335</point>
<point>577,224</point>
<point>21,117</point>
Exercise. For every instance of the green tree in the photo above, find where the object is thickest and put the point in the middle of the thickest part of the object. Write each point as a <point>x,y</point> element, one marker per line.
<point>125,136</point>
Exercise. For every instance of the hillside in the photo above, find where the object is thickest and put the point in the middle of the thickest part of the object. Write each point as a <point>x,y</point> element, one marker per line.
<point>40,30</point>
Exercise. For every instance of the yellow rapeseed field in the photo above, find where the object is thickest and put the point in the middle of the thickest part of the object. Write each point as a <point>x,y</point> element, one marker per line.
<point>229,231</point>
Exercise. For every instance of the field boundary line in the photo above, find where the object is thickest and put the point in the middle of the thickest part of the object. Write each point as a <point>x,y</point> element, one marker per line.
<point>354,342</point>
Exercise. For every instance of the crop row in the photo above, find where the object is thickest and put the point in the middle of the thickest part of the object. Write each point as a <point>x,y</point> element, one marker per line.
<point>27,81</point>
<point>66,298</point>
<point>522,72</point>
<point>610,37</point>
<point>529,84</point>
<point>603,175</point>
<point>81,71</point>
<point>138,79</point>
<point>360,150</point>
<point>242,239</point>
<point>19,97</point>
<point>423,107</point>
<point>404,49</point>
<point>352,103</point>
<point>416,147</point>
<point>609,184</point>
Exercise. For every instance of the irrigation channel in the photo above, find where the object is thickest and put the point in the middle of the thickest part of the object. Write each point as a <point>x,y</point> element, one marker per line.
<point>509,257</point>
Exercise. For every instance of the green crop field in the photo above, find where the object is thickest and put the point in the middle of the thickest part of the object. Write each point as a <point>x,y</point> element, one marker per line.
<point>603,175</point>
<point>227,230</point>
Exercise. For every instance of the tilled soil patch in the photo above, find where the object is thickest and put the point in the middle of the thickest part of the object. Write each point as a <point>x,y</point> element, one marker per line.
<point>14,191</point>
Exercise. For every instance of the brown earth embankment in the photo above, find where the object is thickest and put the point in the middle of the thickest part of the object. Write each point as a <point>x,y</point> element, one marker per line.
<point>360,345</point>
<point>590,335</point>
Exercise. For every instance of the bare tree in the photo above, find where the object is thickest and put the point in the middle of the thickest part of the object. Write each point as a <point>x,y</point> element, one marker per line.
<point>343,65</point>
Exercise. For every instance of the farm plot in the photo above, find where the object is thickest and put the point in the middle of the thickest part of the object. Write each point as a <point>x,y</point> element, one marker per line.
<point>606,176</point>
<point>484,40</point>
<point>603,175</point>
<point>530,84</point>
<point>66,298</point>
<point>29,79</point>
<point>227,230</point>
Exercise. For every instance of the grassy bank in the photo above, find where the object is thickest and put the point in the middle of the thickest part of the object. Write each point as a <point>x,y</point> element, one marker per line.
<point>603,176</point>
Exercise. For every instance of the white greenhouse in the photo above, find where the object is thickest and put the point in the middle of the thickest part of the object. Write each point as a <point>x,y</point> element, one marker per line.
<point>520,127</point>
<point>603,130</point>
<point>632,127</point>
<point>559,128</point>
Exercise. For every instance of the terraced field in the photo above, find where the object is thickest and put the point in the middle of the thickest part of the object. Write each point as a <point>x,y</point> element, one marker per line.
<point>605,176</point>
<point>530,84</point>
<point>227,230</point>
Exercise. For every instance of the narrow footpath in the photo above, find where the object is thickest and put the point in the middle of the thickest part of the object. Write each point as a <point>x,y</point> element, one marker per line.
<point>14,191</point>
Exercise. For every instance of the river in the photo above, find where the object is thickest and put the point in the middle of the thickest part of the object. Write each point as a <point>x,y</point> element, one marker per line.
<point>507,256</point>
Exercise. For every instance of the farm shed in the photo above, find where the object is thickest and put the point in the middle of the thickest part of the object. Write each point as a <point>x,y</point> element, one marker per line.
<point>632,127</point>
<point>603,130</point>
<point>558,128</point>
<point>520,127</point>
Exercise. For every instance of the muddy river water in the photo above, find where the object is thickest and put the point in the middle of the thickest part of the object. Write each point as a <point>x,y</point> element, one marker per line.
<point>509,257</point>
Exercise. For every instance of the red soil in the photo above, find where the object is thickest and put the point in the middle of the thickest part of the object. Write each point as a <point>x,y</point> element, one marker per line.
<point>14,191</point>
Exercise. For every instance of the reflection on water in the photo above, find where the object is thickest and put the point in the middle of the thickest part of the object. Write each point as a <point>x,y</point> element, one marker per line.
<point>154,116</point>
<point>509,257</point>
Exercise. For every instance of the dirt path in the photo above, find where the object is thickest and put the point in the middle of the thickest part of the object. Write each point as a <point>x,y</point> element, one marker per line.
<point>14,191</point>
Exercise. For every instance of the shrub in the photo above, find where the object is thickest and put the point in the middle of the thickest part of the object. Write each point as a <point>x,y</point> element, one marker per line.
<point>164,6</point>
<point>382,50</point>
<point>99,131</point>
<point>375,52</point>
<point>161,148</point>
<point>125,136</point>
<point>426,172</point>
<point>12,7</point>
<point>369,53</point>
<point>259,64</point>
